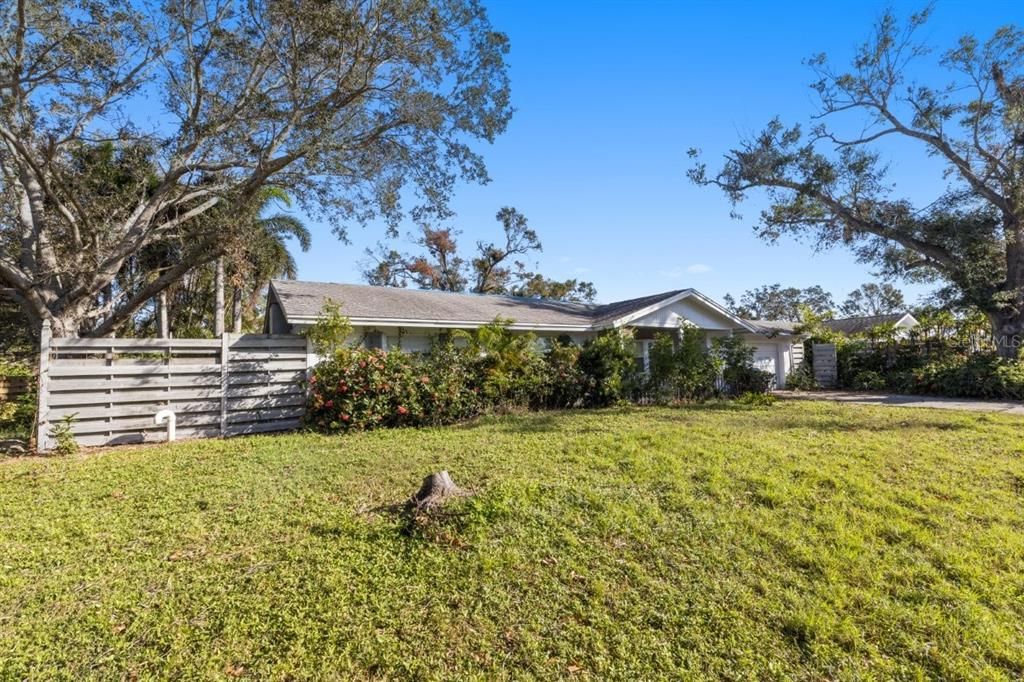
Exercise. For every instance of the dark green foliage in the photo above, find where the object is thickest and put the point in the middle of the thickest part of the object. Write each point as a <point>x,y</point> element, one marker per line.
<point>802,378</point>
<point>565,381</point>
<point>17,341</point>
<point>496,370</point>
<point>904,369</point>
<point>17,416</point>
<point>509,367</point>
<point>945,362</point>
<point>491,369</point>
<point>739,375</point>
<point>452,391</point>
<point>607,362</point>
<point>360,389</point>
<point>683,369</point>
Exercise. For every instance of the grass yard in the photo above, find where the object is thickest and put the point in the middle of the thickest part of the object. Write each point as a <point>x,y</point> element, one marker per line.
<point>803,540</point>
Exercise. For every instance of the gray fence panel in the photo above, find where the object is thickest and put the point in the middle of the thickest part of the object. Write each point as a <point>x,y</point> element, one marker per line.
<point>825,364</point>
<point>111,389</point>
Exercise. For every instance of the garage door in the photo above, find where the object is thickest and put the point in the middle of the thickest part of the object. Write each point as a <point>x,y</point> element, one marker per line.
<point>766,357</point>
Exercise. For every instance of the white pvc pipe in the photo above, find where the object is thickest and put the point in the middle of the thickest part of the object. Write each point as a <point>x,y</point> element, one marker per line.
<point>171,419</point>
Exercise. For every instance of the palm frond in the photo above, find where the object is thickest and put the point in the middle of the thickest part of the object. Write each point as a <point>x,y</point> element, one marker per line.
<point>283,225</point>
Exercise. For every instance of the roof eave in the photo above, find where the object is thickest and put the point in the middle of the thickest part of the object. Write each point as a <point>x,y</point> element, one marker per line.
<point>445,324</point>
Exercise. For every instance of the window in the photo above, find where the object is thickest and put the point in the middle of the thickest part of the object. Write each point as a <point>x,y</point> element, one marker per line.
<point>642,355</point>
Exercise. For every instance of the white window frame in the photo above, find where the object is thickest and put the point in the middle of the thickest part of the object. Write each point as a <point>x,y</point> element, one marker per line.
<point>645,353</point>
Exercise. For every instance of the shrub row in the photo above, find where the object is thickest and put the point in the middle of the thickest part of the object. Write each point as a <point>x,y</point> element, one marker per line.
<point>974,375</point>
<point>687,370</point>
<point>496,370</point>
<point>914,368</point>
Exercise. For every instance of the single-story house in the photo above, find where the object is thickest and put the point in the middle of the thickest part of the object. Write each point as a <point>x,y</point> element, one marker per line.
<point>410,319</point>
<point>848,326</point>
<point>903,322</point>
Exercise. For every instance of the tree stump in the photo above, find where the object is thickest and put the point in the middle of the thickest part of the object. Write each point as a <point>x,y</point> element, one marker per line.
<point>436,489</point>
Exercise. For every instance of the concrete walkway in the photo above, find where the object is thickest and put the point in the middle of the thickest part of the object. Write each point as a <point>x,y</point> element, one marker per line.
<point>1001,406</point>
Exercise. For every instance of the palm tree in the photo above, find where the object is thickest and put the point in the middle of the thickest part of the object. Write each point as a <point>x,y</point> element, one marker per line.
<point>265,255</point>
<point>255,249</point>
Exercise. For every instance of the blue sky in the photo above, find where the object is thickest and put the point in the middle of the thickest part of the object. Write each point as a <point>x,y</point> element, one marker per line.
<point>610,95</point>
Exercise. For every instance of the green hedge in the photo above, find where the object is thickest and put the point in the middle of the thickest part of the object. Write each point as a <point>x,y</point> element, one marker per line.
<point>906,367</point>
<point>496,370</point>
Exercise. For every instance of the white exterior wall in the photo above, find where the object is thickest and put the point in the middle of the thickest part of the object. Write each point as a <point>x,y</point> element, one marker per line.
<point>688,309</point>
<point>786,358</point>
<point>420,339</point>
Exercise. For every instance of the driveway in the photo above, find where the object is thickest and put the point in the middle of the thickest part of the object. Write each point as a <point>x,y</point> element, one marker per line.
<point>1002,406</point>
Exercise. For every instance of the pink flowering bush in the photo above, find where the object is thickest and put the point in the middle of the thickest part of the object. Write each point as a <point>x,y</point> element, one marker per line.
<point>364,389</point>
<point>359,389</point>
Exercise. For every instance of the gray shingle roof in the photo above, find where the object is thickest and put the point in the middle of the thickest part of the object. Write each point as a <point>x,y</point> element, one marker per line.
<point>306,299</point>
<point>774,326</point>
<point>856,325</point>
<point>613,311</point>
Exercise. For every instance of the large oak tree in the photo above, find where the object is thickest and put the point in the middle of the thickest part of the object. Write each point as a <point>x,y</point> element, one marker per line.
<point>831,181</point>
<point>342,103</point>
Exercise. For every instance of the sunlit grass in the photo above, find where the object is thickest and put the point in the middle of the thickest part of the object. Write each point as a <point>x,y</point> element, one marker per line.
<point>802,540</point>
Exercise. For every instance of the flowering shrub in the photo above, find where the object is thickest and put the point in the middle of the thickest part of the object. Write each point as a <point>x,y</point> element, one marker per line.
<point>360,389</point>
<point>365,389</point>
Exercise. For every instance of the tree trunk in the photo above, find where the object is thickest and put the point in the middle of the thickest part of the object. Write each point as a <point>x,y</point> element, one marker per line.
<point>164,331</point>
<point>236,310</point>
<point>218,313</point>
<point>1007,332</point>
<point>435,491</point>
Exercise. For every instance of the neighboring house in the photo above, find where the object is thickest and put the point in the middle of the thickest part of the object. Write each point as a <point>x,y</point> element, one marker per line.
<point>860,325</point>
<point>411,319</point>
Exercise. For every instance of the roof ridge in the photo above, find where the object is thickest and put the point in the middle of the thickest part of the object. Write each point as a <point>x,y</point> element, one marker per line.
<point>868,317</point>
<point>595,307</point>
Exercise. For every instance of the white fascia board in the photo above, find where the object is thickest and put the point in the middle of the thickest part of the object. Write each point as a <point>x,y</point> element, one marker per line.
<point>444,324</point>
<point>907,317</point>
<point>272,293</point>
<point>686,293</point>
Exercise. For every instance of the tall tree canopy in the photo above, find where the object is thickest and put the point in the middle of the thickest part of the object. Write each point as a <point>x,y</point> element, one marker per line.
<point>256,251</point>
<point>494,267</point>
<point>775,302</point>
<point>835,187</point>
<point>200,104</point>
<point>873,299</point>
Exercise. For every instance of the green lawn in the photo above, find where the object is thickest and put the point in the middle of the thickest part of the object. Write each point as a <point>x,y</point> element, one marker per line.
<point>802,540</point>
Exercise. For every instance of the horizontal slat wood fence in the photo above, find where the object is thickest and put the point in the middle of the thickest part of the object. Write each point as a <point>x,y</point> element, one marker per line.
<point>12,388</point>
<point>113,388</point>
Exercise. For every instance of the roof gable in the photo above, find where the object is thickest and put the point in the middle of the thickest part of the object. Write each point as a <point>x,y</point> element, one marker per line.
<point>857,325</point>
